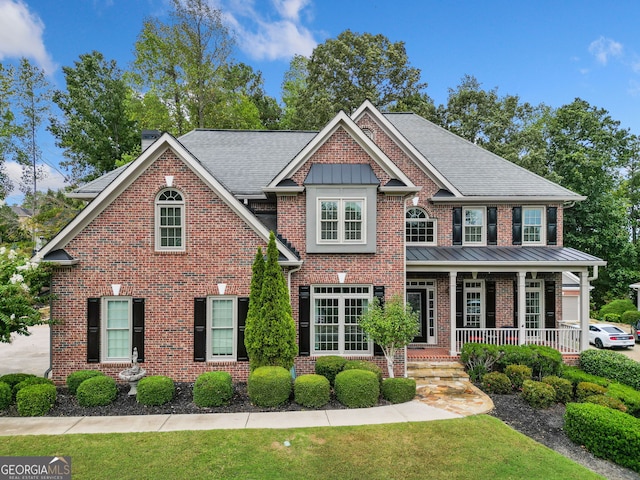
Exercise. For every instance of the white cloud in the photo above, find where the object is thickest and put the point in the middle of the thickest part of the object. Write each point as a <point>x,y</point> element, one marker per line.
<point>274,35</point>
<point>605,48</point>
<point>634,88</point>
<point>51,179</point>
<point>21,34</point>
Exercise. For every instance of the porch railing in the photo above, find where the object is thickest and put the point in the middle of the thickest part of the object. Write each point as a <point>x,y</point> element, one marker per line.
<point>565,340</point>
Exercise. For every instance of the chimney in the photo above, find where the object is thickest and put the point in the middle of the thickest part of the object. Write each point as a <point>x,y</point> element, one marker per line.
<point>148,137</point>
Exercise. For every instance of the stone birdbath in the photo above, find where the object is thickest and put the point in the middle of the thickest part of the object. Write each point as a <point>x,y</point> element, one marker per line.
<point>133,374</point>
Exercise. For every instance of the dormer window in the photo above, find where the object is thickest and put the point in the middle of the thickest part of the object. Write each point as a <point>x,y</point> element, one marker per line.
<point>170,223</point>
<point>419,227</point>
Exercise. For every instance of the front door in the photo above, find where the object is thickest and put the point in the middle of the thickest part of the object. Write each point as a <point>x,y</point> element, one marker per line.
<point>422,301</point>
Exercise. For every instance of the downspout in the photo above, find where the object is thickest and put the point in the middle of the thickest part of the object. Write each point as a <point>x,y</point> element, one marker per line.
<point>289,273</point>
<point>595,274</point>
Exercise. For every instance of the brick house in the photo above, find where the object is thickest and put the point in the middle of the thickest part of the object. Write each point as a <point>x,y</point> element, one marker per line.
<point>372,205</point>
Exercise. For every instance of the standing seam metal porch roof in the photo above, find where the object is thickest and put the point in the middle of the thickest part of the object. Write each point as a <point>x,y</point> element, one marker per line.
<point>460,255</point>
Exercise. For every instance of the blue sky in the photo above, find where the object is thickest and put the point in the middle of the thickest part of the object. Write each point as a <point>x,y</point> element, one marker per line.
<point>544,51</point>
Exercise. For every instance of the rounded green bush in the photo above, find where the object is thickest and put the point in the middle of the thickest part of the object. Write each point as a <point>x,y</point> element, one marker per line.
<point>496,382</point>
<point>616,307</point>
<point>76,378</point>
<point>364,365</point>
<point>330,366</point>
<point>97,390</point>
<point>213,389</point>
<point>398,390</point>
<point>518,374</point>
<point>587,389</point>
<point>5,395</point>
<point>538,394</point>
<point>612,365</point>
<point>626,394</point>
<point>155,390</point>
<point>36,400</point>
<point>357,388</point>
<point>576,375</point>
<point>562,387</point>
<point>12,379</point>
<point>606,401</point>
<point>269,386</point>
<point>630,317</point>
<point>30,381</point>
<point>311,391</point>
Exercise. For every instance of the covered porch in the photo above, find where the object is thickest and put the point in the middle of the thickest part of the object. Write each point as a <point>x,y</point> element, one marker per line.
<point>473,294</point>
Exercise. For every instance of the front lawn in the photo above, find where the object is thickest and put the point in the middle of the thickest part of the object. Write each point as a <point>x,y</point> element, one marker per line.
<point>479,447</point>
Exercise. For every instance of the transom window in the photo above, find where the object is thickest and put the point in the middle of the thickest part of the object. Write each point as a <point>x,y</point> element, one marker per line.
<point>336,311</point>
<point>221,320</point>
<point>473,307</point>
<point>419,227</point>
<point>341,220</point>
<point>532,223</point>
<point>170,231</point>
<point>474,230</point>
<point>117,313</point>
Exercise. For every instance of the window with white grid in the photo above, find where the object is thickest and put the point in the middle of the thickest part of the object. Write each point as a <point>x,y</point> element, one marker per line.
<point>170,221</point>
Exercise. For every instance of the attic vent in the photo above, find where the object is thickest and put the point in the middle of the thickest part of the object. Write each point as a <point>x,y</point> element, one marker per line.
<point>368,132</point>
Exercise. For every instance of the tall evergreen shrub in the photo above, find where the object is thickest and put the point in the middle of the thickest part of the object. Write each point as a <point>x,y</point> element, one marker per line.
<point>251,333</point>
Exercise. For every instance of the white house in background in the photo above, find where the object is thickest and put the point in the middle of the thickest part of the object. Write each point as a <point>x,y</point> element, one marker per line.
<point>571,297</point>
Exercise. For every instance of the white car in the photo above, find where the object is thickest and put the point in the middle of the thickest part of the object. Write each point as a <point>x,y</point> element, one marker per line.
<point>605,335</point>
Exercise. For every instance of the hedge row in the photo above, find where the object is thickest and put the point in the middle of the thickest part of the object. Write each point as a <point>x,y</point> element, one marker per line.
<point>611,365</point>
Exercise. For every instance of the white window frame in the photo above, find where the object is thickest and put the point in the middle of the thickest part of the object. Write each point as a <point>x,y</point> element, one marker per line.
<point>342,221</point>
<point>104,327</point>
<point>159,205</point>
<point>426,220</point>
<point>541,241</point>
<point>483,226</point>
<point>475,287</point>
<point>329,293</point>
<point>534,286</point>
<point>210,328</point>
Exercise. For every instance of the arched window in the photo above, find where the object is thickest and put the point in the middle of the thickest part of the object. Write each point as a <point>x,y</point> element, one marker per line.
<point>419,227</point>
<point>170,225</point>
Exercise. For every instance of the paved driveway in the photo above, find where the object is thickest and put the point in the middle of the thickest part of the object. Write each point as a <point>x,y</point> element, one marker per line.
<point>27,354</point>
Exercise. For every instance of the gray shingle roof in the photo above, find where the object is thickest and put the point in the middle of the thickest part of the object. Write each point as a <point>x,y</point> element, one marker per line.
<point>473,170</point>
<point>511,255</point>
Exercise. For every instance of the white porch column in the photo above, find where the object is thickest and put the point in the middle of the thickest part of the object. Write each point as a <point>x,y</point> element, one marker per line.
<point>522,307</point>
<point>452,312</point>
<point>584,310</point>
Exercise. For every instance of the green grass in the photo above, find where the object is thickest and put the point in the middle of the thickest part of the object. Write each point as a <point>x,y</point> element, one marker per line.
<point>479,447</point>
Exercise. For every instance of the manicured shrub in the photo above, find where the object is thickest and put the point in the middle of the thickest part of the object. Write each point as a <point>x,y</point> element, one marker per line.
<point>12,379</point>
<point>606,401</point>
<point>155,390</point>
<point>5,395</point>
<point>357,388</point>
<point>518,374</point>
<point>576,375</point>
<point>611,365</point>
<point>363,365</point>
<point>611,318</point>
<point>543,361</point>
<point>36,400</point>
<point>496,382</point>
<point>538,394</point>
<point>312,390</point>
<point>630,317</point>
<point>76,378</point>
<point>605,432</point>
<point>97,390</point>
<point>213,389</point>
<point>330,366</point>
<point>616,307</point>
<point>269,386</point>
<point>626,394</point>
<point>562,387</point>
<point>587,389</point>
<point>479,358</point>
<point>398,390</point>
<point>30,381</point>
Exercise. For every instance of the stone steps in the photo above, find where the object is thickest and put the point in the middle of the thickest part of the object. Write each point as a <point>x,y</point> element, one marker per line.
<point>447,375</point>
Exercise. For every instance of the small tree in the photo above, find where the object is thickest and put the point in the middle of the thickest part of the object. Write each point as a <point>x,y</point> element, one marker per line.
<point>392,326</point>
<point>251,337</point>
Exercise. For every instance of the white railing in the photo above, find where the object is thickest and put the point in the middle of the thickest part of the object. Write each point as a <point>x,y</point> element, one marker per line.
<point>565,340</point>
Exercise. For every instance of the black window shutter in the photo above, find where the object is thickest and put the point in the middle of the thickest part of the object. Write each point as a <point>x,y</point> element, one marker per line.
<point>516,225</point>
<point>549,304</point>
<point>138,327</point>
<point>459,305</point>
<point>492,226</point>
<point>93,330</point>
<point>490,319</point>
<point>243,309</point>
<point>457,225</point>
<point>378,292</point>
<point>552,225</point>
<point>199,329</point>
<point>515,304</point>
<point>304,321</point>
